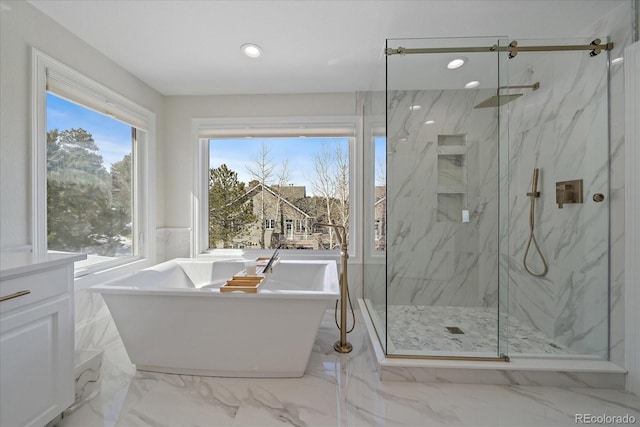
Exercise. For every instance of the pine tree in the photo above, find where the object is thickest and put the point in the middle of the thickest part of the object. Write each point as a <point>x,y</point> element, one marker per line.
<point>230,210</point>
<point>80,201</point>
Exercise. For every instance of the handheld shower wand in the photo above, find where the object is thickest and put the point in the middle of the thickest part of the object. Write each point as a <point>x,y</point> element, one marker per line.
<point>533,195</point>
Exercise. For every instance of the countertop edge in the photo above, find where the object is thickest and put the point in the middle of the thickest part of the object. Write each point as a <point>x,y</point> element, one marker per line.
<point>13,264</point>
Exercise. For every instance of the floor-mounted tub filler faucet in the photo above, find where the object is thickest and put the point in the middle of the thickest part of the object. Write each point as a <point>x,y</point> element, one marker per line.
<point>342,346</point>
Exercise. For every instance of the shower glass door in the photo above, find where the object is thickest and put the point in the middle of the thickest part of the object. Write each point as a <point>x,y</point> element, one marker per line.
<point>561,129</point>
<point>444,165</point>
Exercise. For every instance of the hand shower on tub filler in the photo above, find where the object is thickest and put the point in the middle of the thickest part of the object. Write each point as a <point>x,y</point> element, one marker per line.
<point>342,346</point>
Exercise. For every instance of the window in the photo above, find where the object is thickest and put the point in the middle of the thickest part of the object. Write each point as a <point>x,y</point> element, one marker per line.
<point>91,169</point>
<point>89,181</point>
<point>268,146</point>
<point>270,181</point>
<point>380,194</point>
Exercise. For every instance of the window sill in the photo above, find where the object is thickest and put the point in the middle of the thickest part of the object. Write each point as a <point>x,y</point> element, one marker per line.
<point>284,254</point>
<point>109,274</point>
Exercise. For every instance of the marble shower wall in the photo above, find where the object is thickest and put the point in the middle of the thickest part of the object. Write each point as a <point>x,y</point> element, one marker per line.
<point>563,129</point>
<point>571,128</point>
<point>434,173</point>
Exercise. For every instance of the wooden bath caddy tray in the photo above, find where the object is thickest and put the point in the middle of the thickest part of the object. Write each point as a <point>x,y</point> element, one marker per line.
<point>249,284</point>
<point>262,263</point>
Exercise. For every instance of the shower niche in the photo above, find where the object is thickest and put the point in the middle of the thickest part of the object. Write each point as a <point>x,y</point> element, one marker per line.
<point>452,178</point>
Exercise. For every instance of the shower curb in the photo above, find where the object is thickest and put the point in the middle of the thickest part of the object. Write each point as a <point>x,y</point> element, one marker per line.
<point>518,371</point>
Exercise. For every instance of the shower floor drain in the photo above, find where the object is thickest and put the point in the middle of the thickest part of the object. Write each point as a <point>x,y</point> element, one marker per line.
<point>454,330</point>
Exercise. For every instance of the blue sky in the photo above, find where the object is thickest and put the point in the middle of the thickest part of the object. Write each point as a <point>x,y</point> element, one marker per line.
<point>114,141</point>
<point>237,153</point>
<point>300,152</point>
<point>112,137</point>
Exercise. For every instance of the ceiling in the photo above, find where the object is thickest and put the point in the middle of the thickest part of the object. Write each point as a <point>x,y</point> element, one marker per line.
<point>185,47</point>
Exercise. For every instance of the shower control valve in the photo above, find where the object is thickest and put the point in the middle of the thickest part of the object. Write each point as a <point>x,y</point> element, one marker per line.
<point>569,192</point>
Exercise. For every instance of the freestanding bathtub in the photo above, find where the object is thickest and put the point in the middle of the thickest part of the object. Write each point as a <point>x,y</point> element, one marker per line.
<point>173,318</point>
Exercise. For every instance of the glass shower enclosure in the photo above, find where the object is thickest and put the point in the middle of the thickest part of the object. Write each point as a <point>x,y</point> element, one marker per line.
<point>457,206</point>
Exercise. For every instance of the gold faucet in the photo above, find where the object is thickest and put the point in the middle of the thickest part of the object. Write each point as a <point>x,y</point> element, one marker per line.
<point>341,346</point>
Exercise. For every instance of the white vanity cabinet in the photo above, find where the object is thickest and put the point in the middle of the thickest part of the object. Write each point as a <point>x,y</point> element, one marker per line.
<point>36,337</point>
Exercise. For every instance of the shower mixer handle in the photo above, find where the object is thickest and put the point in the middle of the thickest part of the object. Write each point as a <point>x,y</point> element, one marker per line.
<point>569,192</point>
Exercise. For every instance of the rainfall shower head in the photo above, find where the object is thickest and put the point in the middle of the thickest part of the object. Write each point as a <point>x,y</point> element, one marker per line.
<point>499,100</point>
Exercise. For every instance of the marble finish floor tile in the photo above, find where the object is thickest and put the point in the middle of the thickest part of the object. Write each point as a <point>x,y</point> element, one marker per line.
<point>423,328</point>
<point>341,390</point>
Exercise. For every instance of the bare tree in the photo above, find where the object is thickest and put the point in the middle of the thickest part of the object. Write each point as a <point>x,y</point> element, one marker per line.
<point>283,176</point>
<point>330,181</point>
<point>341,184</point>
<point>323,182</point>
<point>261,170</point>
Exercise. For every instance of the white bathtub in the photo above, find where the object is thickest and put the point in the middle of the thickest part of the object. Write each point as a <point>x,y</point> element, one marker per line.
<point>173,318</point>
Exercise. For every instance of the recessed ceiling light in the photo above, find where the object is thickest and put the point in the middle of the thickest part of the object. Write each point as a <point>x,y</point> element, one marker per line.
<point>252,50</point>
<point>617,60</point>
<point>456,63</point>
<point>415,107</point>
<point>472,84</point>
<point>429,122</point>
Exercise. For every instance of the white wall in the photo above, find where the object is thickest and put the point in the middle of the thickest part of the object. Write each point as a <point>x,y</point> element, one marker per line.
<point>632,219</point>
<point>22,27</point>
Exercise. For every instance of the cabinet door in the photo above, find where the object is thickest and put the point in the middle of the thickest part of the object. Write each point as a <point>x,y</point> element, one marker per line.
<point>36,380</point>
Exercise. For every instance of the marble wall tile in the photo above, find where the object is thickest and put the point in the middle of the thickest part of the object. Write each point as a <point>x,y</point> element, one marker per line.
<point>433,256</point>
<point>172,242</point>
<point>96,335</point>
<point>567,138</point>
<point>561,128</point>
<point>89,307</point>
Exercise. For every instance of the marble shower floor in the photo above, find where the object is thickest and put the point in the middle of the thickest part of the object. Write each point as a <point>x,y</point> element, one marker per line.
<point>336,390</point>
<point>423,328</point>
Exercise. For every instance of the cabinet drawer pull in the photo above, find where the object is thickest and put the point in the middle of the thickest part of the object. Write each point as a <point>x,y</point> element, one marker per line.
<point>14,295</point>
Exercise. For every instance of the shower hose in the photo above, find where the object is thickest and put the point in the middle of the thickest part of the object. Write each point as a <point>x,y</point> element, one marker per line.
<point>532,236</point>
<point>335,309</point>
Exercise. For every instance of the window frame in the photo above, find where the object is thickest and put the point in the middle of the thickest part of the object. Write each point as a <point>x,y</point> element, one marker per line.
<point>372,256</point>
<point>200,128</point>
<point>143,153</point>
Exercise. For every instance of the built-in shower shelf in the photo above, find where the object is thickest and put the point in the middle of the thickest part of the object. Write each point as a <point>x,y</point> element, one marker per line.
<point>451,197</point>
<point>458,140</point>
